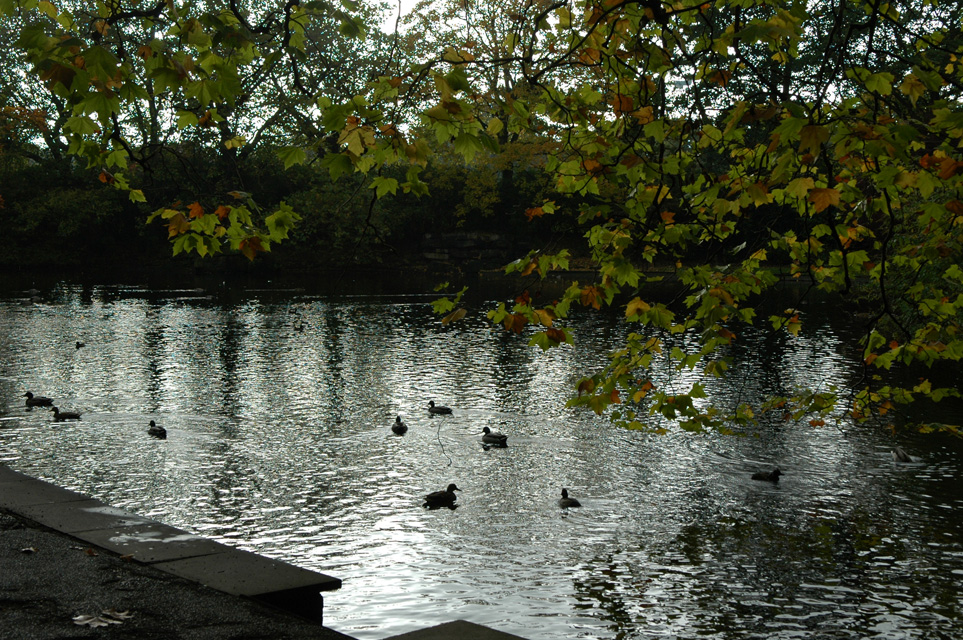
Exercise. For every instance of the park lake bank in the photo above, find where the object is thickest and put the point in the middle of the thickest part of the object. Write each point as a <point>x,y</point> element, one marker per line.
<point>278,398</point>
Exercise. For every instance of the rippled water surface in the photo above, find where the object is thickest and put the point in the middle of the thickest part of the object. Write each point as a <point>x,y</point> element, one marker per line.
<point>278,406</point>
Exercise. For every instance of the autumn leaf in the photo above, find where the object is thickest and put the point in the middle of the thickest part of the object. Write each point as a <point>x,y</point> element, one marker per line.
<point>811,138</point>
<point>454,316</point>
<point>622,104</point>
<point>177,225</point>
<point>586,386</point>
<point>556,335</point>
<point>591,297</point>
<point>912,87</point>
<point>720,77</point>
<point>823,198</point>
<point>523,298</point>
<point>249,247</point>
<point>644,115</point>
<point>195,210</point>
<point>534,212</point>
<point>515,322</point>
<point>222,212</point>
<point>636,307</point>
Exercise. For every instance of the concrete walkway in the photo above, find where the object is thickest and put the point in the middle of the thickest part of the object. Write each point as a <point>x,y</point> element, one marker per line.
<point>67,558</point>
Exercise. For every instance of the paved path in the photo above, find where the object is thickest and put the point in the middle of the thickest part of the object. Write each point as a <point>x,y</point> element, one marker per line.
<point>64,556</point>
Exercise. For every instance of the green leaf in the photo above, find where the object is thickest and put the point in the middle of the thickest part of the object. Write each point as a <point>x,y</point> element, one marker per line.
<point>291,156</point>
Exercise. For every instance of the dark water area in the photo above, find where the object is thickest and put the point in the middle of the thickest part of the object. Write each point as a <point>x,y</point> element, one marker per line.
<point>278,401</point>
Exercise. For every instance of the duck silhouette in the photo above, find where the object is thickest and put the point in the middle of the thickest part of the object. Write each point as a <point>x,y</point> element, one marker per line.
<point>494,438</point>
<point>60,416</point>
<point>37,401</point>
<point>566,502</point>
<point>445,498</point>
<point>399,427</point>
<point>901,456</point>
<point>769,476</point>
<point>439,409</point>
<point>157,431</point>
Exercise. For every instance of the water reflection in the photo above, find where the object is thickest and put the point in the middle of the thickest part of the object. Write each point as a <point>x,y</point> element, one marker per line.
<point>278,407</point>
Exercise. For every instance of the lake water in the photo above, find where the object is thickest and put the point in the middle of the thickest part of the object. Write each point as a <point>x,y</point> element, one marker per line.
<point>278,404</point>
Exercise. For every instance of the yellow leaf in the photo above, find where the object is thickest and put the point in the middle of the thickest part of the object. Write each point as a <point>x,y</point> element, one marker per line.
<point>912,87</point>
<point>636,307</point>
<point>800,187</point>
<point>454,316</point>
<point>545,316</point>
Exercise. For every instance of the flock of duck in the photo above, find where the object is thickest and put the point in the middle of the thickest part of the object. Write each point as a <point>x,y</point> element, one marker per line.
<point>435,499</point>
<point>447,497</point>
<point>60,416</point>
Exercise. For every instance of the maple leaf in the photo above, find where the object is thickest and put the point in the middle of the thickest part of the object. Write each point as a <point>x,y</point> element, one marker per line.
<point>823,198</point>
<point>534,212</point>
<point>556,335</point>
<point>178,224</point>
<point>222,212</point>
<point>195,210</point>
<point>515,322</point>
<point>524,298</point>
<point>454,316</point>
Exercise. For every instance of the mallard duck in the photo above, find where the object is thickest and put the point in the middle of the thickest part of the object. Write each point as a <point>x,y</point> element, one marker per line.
<point>494,437</point>
<point>566,502</point>
<point>60,416</point>
<point>444,498</point>
<point>399,427</point>
<point>433,409</point>
<point>37,401</point>
<point>80,344</point>
<point>156,431</point>
<point>769,476</point>
<point>901,456</point>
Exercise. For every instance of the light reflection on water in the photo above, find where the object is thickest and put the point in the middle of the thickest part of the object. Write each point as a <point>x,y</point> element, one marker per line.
<point>278,408</point>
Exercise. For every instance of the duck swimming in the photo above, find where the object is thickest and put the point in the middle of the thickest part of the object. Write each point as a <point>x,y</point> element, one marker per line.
<point>494,437</point>
<point>399,427</point>
<point>769,476</point>
<point>433,409</point>
<point>444,498</point>
<point>37,401</point>
<point>156,431</point>
<point>566,502</point>
<point>60,416</point>
<point>901,456</point>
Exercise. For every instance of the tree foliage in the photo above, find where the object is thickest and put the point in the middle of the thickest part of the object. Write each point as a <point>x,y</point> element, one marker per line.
<point>733,142</point>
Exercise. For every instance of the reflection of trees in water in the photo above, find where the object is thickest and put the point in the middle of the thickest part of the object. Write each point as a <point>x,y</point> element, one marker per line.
<point>766,570</point>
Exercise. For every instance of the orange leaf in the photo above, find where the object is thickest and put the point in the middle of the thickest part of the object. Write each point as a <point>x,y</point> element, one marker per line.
<point>250,246</point>
<point>668,217</point>
<point>721,77</point>
<point>529,268</point>
<point>534,212</point>
<point>590,297</point>
<point>222,211</point>
<point>178,224</point>
<point>823,198</point>
<point>622,104</point>
<point>556,335</point>
<point>614,397</point>
<point>196,210</point>
<point>515,322</point>
<point>586,386</point>
<point>893,344</point>
<point>949,168</point>
<point>524,298</point>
